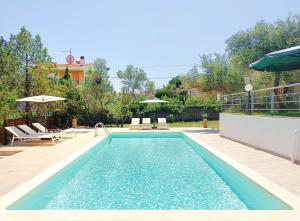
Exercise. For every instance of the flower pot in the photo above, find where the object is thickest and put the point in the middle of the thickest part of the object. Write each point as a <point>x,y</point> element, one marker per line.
<point>205,123</point>
<point>74,123</point>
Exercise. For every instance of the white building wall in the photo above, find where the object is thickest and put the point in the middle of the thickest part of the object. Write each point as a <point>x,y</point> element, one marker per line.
<point>272,134</point>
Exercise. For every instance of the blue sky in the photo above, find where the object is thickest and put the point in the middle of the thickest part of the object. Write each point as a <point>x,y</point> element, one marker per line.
<point>164,37</point>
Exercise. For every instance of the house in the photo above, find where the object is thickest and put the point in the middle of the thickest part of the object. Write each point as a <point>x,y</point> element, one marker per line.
<point>193,92</point>
<point>77,69</point>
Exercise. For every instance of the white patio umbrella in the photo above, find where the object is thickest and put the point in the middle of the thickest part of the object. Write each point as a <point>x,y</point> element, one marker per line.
<point>155,100</point>
<point>41,99</point>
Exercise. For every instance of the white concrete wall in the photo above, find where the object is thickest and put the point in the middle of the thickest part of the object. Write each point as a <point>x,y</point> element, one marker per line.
<point>272,134</point>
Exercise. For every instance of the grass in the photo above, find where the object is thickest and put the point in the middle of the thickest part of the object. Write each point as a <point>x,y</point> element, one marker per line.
<point>211,124</point>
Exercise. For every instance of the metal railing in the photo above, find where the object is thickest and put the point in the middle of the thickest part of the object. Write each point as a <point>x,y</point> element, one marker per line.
<point>275,99</point>
<point>103,127</point>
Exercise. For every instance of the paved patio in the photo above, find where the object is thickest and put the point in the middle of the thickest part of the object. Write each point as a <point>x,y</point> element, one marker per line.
<point>36,157</point>
<point>18,168</point>
<point>277,169</point>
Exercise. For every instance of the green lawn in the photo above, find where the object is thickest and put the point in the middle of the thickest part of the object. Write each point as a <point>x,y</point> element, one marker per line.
<point>211,124</point>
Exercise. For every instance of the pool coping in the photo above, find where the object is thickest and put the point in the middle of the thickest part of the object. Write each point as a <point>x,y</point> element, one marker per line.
<point>252,215</point>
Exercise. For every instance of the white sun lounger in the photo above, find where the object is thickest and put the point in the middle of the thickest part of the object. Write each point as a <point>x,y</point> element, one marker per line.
<point>30,131</point>
<point>19,135</point>
<point>162,123</point>
<point>135,123</point>
<point>43,129</point>
<point>146,123</point>
<point>40,128</point>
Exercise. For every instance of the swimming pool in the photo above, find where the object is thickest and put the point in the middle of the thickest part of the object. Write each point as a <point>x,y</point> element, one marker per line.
<point>149,171</point>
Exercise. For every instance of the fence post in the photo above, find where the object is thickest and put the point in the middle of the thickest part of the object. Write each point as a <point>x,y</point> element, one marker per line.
<point>252,101</point>
<point>247,103</point>
<point>299,101</point>
<point>295,150</point>
<point>272,101</point>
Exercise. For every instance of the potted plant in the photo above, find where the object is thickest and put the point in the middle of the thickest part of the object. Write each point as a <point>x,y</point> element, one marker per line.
<point>204,117</point>
<point>74,122</point>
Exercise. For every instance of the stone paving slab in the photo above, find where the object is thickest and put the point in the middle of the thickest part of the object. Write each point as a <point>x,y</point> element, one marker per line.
<point>279,170</point>
<point>36,157</point>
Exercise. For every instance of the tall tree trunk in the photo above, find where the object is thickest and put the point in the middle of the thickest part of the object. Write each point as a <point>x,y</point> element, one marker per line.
<point>133,92</point>
<point>277,91</point>
<point>27,91</point>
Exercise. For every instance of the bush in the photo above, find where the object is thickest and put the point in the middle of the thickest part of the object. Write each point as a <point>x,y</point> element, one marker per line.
<point>170,118</point>
<point>200,101</point>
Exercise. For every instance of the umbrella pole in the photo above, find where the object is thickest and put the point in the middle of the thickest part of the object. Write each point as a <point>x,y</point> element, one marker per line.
<point>46,126</point>
<point>155,124</point>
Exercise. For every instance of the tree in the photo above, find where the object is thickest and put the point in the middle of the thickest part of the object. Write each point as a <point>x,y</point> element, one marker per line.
<point>9,82</point>
<point>192,78</point>
<point>245,47</point>
<point>67,75</point>
<point>219,75</point>
<point>28,51</point>
<point>96,92</point>
<point>149,87</point>
<point>132,79</point>
<point>100,65</point>
<point>119,108</point>
<point>167,90</point>
<point>101,72</point>
<point>41,83</point>
<point>174,89</point>
<point>176,81</point>
<point>215,68</point>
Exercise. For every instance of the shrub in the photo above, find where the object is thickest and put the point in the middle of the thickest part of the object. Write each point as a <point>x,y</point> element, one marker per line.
<point>170,118</point>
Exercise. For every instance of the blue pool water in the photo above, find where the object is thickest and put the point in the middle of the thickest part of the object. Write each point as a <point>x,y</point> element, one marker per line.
<point>148,171</point>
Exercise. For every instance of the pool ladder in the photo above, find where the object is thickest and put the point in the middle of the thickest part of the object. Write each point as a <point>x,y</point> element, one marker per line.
<point>103,127</point>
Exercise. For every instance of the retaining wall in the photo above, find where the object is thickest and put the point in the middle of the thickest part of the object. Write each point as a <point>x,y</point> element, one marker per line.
<point>277,135</point>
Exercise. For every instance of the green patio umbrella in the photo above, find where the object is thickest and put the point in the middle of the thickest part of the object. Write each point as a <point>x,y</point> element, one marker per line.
<point>283,60</point>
